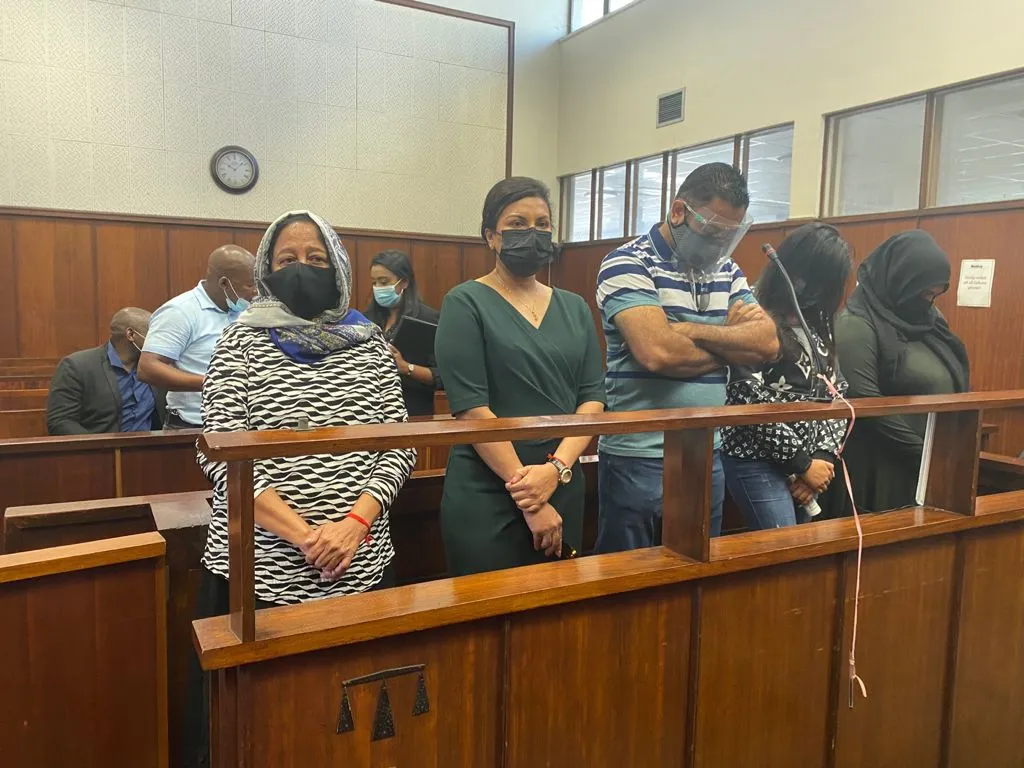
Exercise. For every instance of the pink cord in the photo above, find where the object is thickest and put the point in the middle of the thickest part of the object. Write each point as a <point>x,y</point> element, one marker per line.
<point>854,677</point>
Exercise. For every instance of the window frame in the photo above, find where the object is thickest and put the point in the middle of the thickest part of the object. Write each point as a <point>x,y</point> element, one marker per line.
<point>928,183</point>
<point>605,12</point>
<point>740,159</point>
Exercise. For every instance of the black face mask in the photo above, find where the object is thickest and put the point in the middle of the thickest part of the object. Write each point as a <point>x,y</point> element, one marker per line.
<point>525,251</point>
<point>916,310</point>
<point>307,291</point>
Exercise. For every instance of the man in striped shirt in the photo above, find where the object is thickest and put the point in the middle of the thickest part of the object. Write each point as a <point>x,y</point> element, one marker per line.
<point>676,311</point>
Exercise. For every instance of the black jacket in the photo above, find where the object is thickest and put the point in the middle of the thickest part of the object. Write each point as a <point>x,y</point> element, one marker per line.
<point>84,397</point>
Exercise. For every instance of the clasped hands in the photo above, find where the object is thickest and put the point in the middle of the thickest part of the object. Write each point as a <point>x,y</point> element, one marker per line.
<point>812,482</point>
<point>331,547</point>
<point>531,487</point>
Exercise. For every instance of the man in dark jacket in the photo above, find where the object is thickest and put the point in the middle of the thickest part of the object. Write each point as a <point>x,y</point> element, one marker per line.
<point>97,390</point>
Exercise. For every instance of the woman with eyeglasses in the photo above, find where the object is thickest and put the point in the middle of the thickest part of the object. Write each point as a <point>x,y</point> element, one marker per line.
<point>508,345</point>
<point>772,469</point>
<point>893,341</point>
<point>408,325</point>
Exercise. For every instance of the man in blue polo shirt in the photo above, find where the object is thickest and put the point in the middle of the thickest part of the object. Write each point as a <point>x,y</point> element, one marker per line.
<point>184,331</point>
<point>676,311</point>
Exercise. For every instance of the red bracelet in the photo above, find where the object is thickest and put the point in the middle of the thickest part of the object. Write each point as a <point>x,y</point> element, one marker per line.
<point>362,521</point>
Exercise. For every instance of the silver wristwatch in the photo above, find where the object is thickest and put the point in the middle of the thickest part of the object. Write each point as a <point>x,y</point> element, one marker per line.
<point>564,472</point>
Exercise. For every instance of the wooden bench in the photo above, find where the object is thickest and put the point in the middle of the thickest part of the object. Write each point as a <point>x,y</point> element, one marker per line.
<point>23,423</point>
<point>82,658</point>
<point>24,381</point>
<point>22,399</point>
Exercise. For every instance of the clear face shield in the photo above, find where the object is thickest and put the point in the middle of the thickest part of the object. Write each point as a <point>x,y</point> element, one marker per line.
<point>706,242</point>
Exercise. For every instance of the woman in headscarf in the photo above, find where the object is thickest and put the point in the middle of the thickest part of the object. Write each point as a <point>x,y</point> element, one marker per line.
<point>892,341</point>
<point>300,356</point>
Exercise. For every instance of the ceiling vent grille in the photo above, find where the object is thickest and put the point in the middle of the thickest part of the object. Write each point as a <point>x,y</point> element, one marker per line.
<point>671,107</point>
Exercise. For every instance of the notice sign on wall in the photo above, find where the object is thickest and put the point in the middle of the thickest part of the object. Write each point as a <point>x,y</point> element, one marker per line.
<point>975,289</point>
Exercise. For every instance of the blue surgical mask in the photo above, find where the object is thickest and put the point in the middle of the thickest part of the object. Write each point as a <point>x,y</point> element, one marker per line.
<point>386,295</point>
<point>236,305</point>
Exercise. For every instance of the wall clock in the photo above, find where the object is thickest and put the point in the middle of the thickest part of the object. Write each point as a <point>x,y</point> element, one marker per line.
<point>234,169</point>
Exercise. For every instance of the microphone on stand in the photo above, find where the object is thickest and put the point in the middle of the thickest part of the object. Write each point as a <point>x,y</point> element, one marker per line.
<point>812,509</point>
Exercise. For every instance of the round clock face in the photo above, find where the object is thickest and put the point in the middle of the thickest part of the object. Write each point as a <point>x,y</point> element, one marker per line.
<point>234,169</point>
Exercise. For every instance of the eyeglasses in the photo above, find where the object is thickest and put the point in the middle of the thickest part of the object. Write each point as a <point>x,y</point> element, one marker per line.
<point>710,224</point>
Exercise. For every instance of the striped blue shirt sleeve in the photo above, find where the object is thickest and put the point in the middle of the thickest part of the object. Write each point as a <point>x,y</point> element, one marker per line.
<point>624,282</point>
<point>740,290</point>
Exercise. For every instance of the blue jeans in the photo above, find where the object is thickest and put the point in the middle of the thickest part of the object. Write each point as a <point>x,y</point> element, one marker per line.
<point>761,491</point>
<point>629,497</point>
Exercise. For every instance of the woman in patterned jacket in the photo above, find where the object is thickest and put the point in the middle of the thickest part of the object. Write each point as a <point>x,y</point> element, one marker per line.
<point>300,356</point>
<point>771,469</point>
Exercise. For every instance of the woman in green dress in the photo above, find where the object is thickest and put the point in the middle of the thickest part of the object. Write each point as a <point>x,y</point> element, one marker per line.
<point>892,341</point>
<point>507,345</point>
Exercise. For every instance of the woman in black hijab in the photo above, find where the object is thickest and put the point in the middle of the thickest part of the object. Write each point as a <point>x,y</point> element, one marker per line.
<point>892,341</point>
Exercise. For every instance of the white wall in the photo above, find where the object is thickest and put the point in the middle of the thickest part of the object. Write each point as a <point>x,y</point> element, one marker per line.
<point>380,116</point>
<point>750,64</point>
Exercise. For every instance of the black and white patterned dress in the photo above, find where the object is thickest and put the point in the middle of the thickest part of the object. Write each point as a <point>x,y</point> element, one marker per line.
<point>791,446</point>
<point>252,385</point>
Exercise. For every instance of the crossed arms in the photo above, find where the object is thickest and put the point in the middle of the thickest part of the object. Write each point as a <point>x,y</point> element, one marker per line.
<point>687,350</point>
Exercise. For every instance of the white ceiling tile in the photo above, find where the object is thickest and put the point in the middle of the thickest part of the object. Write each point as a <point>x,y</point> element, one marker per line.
<point>216,123</point>
<point>145,5</point>
<point>214,55</point>
<point>248,13</point>
<point>411,87</point>
<point>248,60</point>
<point>186,8</point>
<point>282,125</point>
<point>144,46</point>
<point>311,73</point>
<point>311,188</point>
<point>108,108</point>
<point>372,80</point>
<point>180,50</point>
<point>341,22</point>
<point>27,107</point>
<point>68,99</point>
<point>71,174</point>
<point>145,113</point>
<point>181,118</point>
<point>311,133</point>
<point>280,17</point>
<point>24,26</point>
<point>281,56</point>
<point>473,96</point>
<point>183,173</point>
<point>146,182</point>
<point>5,167</point>
<point>311,19</point>
<point>341,208</point>
<point>342,132</point>
<point>371,24</point>
<point>278,181</point>
<point>250,124</point>
<point>109,178</point>
<point>29,159</point>
<point>106,38</point>
<point>218,11</point>
<point>65,41</point>
<point>342,76</point>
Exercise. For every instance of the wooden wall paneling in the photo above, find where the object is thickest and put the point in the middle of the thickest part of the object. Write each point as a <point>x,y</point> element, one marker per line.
<point>9,346</point>
<point>615,675</point>
<point>81,671</point>
<point>40,478</point>
<point>56,287</point>
<point>295,703</point>
<point>23,423</point>
<point>907,604</point>
<point>764,668</point>
<point>986,236</point>
<point>986,725</point>
<point>477,261</point>
<point>748,253</point>
<point>864,237</point>
<point>438,269</point>
<point>160,469</point>
<point>188,252</point>
<point>248,239</point>
<point>361,251</point>
<point>131,269</point>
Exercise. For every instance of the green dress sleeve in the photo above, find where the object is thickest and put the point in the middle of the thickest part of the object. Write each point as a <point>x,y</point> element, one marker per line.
<point>459,348</point>
<point>857,349</point>
<point>591,386</point>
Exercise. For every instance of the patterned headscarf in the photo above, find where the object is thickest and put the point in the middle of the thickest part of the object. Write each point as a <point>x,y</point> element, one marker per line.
<point>307,340</point>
